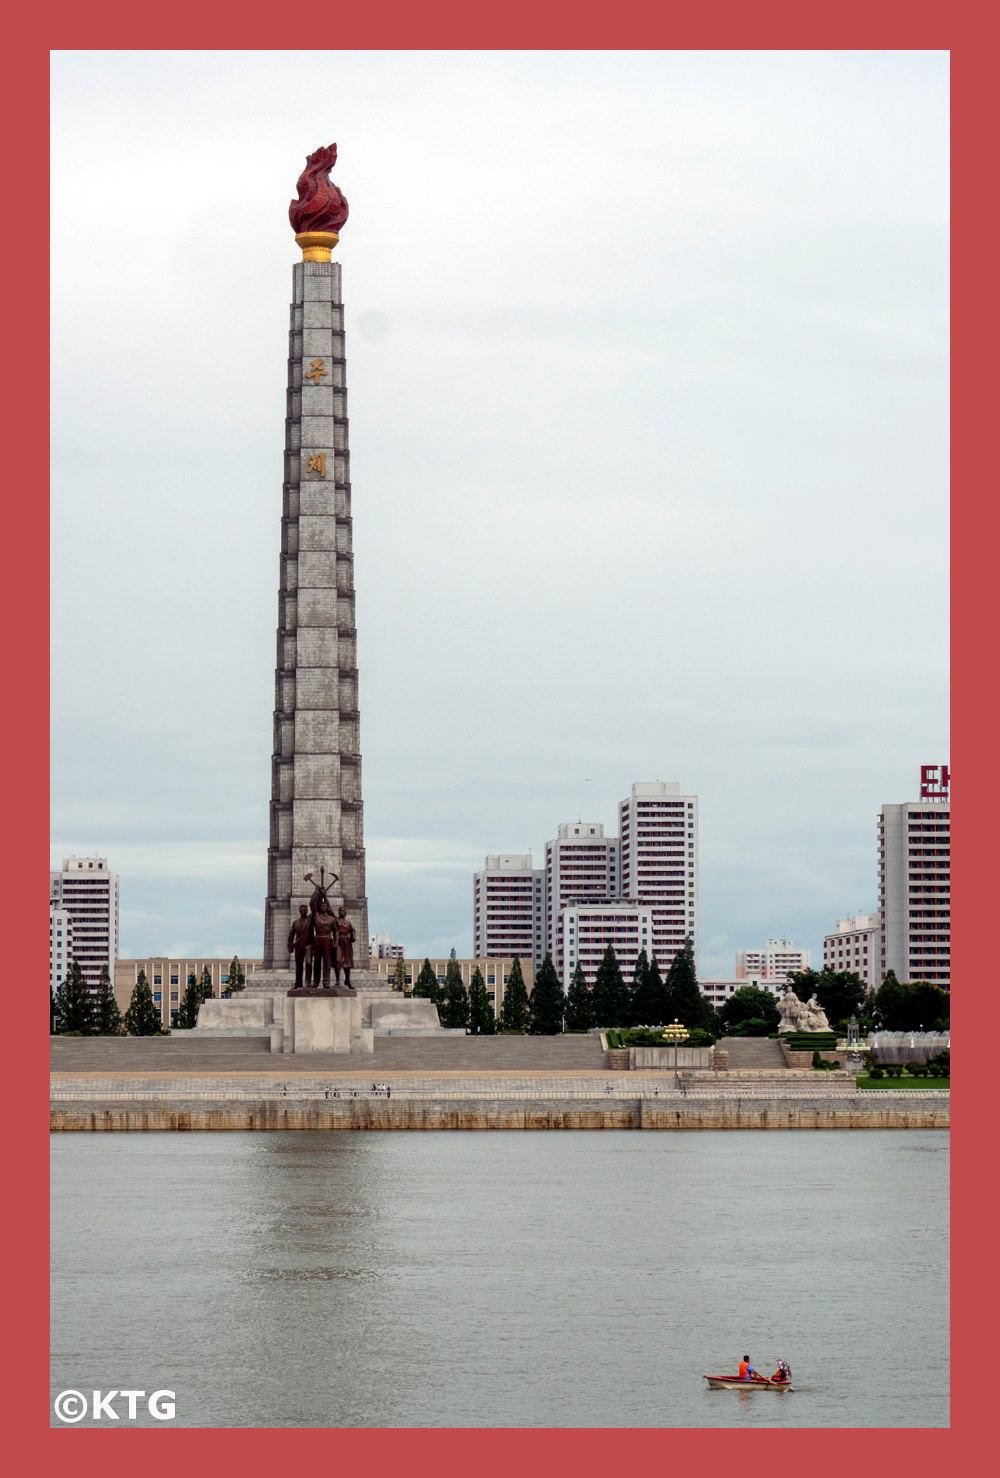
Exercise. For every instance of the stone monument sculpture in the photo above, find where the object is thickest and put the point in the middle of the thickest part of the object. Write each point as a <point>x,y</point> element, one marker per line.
<point>789,1010</point>
<point>799,1016</point>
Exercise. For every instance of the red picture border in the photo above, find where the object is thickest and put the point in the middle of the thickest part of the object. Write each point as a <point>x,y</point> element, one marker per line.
<point>545,26</point>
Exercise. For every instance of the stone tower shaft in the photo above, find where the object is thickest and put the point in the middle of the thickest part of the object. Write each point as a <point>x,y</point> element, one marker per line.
<point>316,812</point>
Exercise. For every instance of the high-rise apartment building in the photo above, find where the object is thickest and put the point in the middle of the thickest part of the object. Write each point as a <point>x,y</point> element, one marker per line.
<point>581,866</point>
<point>778,959</point>
<point>508,898</point>
<point>856,945</point>
<point>659,861</point>
<point>60,944</point>
<point>382,948</point>
<point>88,892</point>
<point>586,929</point>
<point>915,888</point>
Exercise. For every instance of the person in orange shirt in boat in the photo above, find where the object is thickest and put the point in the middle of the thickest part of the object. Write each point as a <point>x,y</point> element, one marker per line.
<point>747,1371</point>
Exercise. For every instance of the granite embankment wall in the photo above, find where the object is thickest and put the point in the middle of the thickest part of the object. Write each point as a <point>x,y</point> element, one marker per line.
<point>867,1111</point>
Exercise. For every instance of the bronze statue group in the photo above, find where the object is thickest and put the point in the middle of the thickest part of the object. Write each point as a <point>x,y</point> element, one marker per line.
<point>322,939</point>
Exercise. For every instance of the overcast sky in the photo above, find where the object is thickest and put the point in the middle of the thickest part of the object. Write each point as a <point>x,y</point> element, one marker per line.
<point>647,393</point>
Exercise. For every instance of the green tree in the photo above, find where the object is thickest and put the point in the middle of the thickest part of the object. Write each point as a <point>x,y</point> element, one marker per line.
<point>839,992</point>
<point>648,1005</point>
<point>923,1007</point>
<point>400,981</point>
<point>889,1004</point>
<point>74,1003</point>
<point>455,1003</point>
<point>185,1018</point>
<point>610,992</point>
<point>579,1003</point>
<point>750,1003</point>
<point>514,1011</point>
<point>657,991</point>
<point>482,1019</point>
<point>107,1017</point>
<point>548,1003</point>
<point>427,984</point>
<point>237,978</point>
<point>205,990</point>
<point>684,1001</point>
<point>637,991</point>
<point>142,1019</point>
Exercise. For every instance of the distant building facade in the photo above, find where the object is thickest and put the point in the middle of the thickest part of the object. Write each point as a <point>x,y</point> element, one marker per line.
<point>86,890</point>
<point>508,898</point>
<point>915,887</point>
<point>856,945</point>
<point>581,865</point>
<point>719,991</point>
<point>778,959</point>
<point>382,948</point>
<point>586,930</point>
<point>658,829</point>
<point>167,979</point>
<point>60,944</point>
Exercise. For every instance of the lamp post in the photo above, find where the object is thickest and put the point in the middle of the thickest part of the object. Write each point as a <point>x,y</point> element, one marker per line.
<point>676,1033</point>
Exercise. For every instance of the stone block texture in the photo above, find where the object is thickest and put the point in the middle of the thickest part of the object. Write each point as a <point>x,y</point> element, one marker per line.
<point>316,811</point>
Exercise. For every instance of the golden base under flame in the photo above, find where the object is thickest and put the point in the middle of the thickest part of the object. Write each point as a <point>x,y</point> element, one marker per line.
<point>316,245</point>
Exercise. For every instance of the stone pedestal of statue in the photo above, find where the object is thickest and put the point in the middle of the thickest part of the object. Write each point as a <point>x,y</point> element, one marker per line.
<point>324,1023</point>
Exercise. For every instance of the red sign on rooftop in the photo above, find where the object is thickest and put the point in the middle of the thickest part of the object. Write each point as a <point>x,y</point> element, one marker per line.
<point>935,783</point>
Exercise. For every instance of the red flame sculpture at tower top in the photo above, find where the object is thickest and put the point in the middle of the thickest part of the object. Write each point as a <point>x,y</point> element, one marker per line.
<point>320,206</point>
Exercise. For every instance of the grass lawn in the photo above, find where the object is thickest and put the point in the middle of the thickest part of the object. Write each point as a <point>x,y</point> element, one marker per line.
<point>909,1083</point>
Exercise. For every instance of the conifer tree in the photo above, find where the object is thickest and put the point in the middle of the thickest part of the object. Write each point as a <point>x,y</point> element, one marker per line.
<point>638,995</point>
<point>515,1011</point>
<point>186,1017</point>
<point>579,1003</point>
<point>427,984</point>
<point>455,1001</point>
<point>205,990</point>
<point>482,1019</point>
<point>610,992</point>
<point>107,1017</point>
<point>237,978</point>
<point>685,1002</point>
<point>399,978</point>
<point>657,992</point>
<point>547,1006</point>
<point>142,1019</point>
<point>74,1003</point>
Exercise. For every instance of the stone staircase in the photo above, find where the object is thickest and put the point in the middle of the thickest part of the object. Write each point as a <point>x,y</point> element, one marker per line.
<point>753,1052</point>
<point>188,1054</point>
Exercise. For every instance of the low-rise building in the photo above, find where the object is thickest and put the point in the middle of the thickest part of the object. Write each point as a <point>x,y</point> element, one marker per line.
<point>168,979</point>
<point>719,991</point>
<point>495,972</point>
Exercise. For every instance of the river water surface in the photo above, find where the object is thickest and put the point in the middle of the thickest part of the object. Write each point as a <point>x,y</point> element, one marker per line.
<point>504,1279</point>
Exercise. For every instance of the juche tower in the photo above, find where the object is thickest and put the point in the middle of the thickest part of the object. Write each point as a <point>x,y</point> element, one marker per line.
<point>316,811</point>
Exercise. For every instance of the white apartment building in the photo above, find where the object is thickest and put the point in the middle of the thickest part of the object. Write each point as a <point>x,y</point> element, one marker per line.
<point>659,862</point>
<point>856,945</point>
<point>778,959</point>
<point>581,865</point>
<point>586,930</point>
<point>719,991</point>
<point>89,894</point>
<point>508,899</point>
<point>60,944</point>
<point>915,889</point>
<point>381,947</point>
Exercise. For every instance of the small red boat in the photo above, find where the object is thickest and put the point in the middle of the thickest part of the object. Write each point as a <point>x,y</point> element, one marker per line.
<point>755,1383</point>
